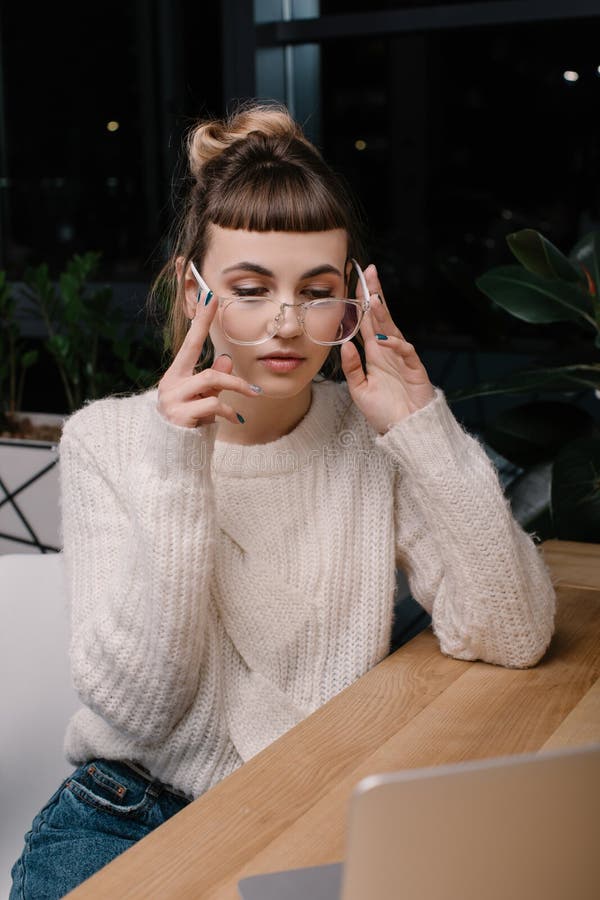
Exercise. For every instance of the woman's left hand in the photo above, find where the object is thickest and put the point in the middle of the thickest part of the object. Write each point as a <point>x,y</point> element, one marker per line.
<point>396,383</point>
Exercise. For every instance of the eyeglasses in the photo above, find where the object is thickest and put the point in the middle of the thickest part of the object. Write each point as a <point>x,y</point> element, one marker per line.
<point>254,319</point>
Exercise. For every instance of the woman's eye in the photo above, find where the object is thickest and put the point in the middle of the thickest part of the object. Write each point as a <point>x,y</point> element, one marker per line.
<point>318,293</point>
<point>248,291</point>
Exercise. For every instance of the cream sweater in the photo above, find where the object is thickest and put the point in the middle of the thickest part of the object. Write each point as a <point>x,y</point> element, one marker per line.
<point>220,593</point>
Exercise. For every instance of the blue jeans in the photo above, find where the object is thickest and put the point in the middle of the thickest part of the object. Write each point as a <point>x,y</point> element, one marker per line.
<point>99,811</point>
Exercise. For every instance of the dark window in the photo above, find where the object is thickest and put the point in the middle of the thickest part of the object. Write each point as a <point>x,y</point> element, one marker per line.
<point>453,139</point>
<point>96,98</point>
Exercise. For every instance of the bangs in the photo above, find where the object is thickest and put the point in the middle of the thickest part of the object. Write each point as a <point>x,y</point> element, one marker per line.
<point>278,197</point>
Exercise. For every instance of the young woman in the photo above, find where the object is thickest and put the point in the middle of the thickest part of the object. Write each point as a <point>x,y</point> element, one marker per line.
<point>231,536</point>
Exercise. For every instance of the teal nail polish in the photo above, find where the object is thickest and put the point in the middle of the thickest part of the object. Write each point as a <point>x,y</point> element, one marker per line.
<point>199,295</point>
<point>209,297</point>
<point>240,418</point>
<point>381,337</point>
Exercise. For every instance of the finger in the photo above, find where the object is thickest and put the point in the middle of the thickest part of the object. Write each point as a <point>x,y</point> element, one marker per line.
<point>373,283</point>
<point>379,316</point>
<point>382,320</point>
<point>380,311</point>
<point>204,411</point>
<point>223,363</point>
<point>352,365</point>
<point>359,293</point>
<point>213,380</point>
<point>191,348</point>
<point>372,280</point>
<point>409,355</point>
<point>369,274</point>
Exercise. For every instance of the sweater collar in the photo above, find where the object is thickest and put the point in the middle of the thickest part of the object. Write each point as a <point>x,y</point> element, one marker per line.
<point>293,451</point>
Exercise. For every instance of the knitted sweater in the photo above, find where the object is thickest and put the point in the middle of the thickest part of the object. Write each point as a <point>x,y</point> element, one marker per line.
<point>220,593</point>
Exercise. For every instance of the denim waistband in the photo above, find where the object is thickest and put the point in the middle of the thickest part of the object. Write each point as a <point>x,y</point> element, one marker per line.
<point>144,773</point>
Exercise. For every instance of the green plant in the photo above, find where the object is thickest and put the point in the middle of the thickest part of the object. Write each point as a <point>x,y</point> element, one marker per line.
<point>96,352</point>
<point>550,287</point>
<point>15,355</point>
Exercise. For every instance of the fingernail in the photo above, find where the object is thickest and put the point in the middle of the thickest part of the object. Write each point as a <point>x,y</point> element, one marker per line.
<point>240,418</point>
<point>256,388</point>
<point>199,294</point>
<point>209,297</point>
<point>380,298</point>
<point>381,337</point>
<point>224,354</point>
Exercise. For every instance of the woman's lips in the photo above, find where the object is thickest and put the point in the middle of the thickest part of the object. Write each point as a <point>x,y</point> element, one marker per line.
<point>281,363</point>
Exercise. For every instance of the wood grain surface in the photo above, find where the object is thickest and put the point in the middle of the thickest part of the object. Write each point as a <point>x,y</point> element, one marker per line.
<point>287,807</point>
<point>573,563</point>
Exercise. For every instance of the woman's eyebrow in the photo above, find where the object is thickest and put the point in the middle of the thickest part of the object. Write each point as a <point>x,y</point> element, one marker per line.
<point>248,267</point>
<point>324,269</point>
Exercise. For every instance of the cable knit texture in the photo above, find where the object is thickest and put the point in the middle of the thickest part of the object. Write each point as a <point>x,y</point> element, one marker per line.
<point>220,593</point>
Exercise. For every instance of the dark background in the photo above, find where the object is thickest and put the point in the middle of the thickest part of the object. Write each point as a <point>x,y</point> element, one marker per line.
<point>469,133</point>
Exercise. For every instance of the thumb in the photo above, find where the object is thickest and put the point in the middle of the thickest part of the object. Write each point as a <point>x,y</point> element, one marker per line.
<point>352,365</point>
<point>223,363</point>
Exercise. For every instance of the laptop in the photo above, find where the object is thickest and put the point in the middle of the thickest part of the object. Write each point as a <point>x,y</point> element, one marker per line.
<point>508,828</point>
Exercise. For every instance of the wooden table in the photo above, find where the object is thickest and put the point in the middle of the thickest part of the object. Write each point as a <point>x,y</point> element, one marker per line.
<point>287,807</point>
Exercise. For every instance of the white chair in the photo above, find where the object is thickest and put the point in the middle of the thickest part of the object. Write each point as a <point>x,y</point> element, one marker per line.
<point>36,695</point>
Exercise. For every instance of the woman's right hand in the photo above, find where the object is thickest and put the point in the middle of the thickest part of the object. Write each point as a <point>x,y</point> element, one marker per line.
<point>189,398</point>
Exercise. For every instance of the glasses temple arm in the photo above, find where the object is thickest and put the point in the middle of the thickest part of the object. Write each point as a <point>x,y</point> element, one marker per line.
<point>363,283</point>
<point>198,277</point>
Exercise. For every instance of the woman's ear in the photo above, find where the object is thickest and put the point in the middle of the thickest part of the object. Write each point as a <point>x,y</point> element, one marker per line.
<point>191,287</point>
<point>349,268</point>
<point>349,280</point>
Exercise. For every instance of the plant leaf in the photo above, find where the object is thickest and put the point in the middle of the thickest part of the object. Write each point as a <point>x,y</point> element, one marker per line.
<point>70,289</point>
<point>586,252</point>
<point>587,255</point>
<point>540,256</point>
<point>29,358</point>
<point>563,378</point>
<point>535,299</point>
<point>59,346</point>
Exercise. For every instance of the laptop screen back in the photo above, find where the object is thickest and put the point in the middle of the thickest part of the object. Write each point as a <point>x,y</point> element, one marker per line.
<point>508,828</point>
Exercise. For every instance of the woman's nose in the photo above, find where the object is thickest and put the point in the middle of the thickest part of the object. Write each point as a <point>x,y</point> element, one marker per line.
<point>289,322</point>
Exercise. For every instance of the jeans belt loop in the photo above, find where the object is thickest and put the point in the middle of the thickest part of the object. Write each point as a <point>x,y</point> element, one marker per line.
<point>154,784</point>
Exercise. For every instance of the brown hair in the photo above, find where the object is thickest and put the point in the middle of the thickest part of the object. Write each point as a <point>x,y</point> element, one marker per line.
<point>254,170</point>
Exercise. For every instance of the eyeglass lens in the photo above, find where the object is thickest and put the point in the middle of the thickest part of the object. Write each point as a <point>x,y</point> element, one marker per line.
<point>258,318</point>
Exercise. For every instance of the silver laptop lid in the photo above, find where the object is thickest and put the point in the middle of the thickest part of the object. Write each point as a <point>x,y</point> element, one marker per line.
<point>507,828</point>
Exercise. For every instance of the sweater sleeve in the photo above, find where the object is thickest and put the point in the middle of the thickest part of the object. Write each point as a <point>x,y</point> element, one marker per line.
<point>468,561</point>
<point>138,538</point>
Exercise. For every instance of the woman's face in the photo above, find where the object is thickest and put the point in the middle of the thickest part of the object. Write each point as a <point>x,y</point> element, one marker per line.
<point>291,267</point>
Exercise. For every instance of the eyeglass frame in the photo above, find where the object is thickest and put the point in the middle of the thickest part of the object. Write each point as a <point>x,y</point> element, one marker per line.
<point>363,305</point>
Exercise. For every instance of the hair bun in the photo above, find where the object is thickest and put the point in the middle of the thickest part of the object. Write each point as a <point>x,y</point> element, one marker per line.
<point>207,140</point>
